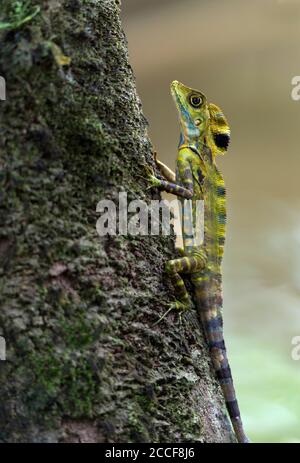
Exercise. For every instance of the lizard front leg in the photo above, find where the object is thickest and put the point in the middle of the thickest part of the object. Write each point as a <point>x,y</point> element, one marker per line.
<point>184,190</point>
<point>165,171</point>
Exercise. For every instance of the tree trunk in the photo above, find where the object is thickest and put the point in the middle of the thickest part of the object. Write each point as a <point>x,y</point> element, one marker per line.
<point>84,361</point>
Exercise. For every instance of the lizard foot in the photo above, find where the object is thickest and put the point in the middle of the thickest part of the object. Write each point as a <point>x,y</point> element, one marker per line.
<point>150,178</point>
<point>179,306</point>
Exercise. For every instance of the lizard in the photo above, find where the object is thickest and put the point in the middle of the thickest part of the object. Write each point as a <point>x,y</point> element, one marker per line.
<point>204,134</point>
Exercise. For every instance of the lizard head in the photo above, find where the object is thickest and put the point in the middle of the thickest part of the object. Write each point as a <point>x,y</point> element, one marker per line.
<point>200,119</point>
<point>193,110</point>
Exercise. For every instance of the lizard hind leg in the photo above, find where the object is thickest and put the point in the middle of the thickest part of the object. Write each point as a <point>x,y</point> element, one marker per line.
<point>182,299</point>
<point>186,265</point>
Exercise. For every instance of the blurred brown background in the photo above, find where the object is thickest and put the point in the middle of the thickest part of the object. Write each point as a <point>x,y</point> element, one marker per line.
<point>243,56</point>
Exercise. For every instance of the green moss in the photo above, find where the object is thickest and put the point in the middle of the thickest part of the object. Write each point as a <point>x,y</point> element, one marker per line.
<point>63,383</point>
<point>138,426</point>
<point>144,402</point>
<point>19,13</point>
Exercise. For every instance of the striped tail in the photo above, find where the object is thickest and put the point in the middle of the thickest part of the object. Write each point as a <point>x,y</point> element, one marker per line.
<point>213,326</point>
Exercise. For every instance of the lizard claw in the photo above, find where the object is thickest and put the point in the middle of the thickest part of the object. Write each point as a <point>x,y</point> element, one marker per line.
<point>150,178</point>
<point>149,170</point>
<point>154,182</point>
<point>163,316</point>
<point>181,307</point>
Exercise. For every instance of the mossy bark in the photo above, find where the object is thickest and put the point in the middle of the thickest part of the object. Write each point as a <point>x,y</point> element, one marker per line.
<point>84,361</point>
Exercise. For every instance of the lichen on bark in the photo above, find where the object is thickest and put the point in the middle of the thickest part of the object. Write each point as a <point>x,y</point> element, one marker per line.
<point>84,361</point>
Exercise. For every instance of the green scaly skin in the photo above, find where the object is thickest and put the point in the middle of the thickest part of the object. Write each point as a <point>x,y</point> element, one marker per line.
<point>204,134</point>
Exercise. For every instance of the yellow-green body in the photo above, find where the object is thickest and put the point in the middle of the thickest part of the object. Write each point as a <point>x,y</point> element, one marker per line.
<point>204,134</point>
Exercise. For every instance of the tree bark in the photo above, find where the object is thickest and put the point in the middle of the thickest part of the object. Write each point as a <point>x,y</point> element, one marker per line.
<point>84,361</point>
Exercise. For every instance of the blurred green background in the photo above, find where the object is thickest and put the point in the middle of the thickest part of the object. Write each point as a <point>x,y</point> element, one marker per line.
<point>243,55</point>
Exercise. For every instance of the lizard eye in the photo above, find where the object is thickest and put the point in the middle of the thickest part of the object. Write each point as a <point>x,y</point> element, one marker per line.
<point>196,101</point>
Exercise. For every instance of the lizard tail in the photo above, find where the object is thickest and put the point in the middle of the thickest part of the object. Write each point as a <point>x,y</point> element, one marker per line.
<point>213,326</point>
